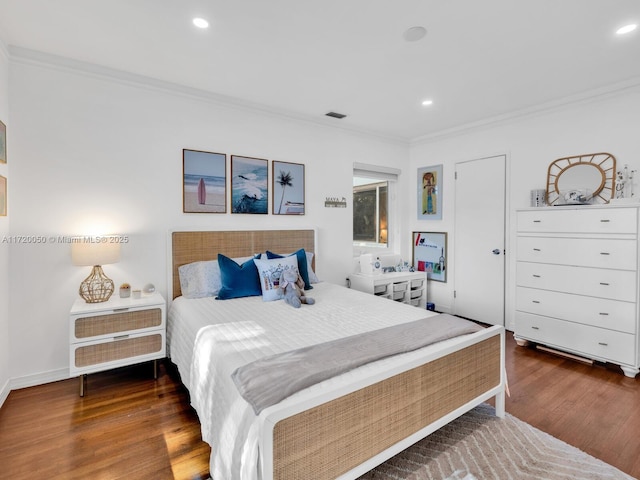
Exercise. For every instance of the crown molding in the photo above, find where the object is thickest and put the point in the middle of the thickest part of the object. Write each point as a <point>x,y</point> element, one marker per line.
<point>21,55</point>
<point>25,56</point>
<point>529,112</point>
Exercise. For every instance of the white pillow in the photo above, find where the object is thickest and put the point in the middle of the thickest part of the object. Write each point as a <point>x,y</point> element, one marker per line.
<point>269,271</point>
<point>202,279</point>
<point>313,278</point>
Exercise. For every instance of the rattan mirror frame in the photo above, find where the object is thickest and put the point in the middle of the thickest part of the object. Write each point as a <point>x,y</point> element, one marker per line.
<point>605,163</point>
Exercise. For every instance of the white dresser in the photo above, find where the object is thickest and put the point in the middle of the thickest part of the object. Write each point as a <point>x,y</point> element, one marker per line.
<point>577,281</point>
<point>405,287</point>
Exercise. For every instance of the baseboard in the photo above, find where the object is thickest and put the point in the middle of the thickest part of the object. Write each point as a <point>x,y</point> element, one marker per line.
<point>32,381</point>
<point>39,379</point>
<point>4,392</point>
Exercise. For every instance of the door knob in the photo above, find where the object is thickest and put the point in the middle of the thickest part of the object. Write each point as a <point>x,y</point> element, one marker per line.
<point>496,251</point>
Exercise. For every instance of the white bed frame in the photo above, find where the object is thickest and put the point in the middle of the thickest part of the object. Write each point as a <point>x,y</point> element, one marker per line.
<point>347,431</point>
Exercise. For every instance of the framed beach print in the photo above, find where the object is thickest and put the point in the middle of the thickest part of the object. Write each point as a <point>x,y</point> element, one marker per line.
<point>249,185</point>
<point>204,184</point>
<point>430,254</point>
<point>288,188</point>
<point>3,196</point>
<point>3,143</point>
<point>430,193</point>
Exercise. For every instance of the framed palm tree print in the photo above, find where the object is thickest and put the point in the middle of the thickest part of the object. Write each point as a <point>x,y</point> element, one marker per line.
<point>288,188</point>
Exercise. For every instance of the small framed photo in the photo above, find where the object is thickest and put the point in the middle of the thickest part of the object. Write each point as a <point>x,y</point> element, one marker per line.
<point>204,182</point>
<point>3,143</point>
<point>430,193</point>
<point>249,185</point>
<point>3,196</point>
<point>430,254</point>
<point>288,188</point>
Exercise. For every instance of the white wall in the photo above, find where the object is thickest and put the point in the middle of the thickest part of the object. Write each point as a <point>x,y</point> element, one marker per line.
<point>606,124</point>
<point>92,152</point>
<point>4,231</point>
<point>88,151</point>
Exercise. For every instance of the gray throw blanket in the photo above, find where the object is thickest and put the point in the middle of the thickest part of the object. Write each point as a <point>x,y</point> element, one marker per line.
<point>271,379</point>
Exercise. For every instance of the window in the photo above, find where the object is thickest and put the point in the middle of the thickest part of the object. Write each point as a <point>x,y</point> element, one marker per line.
<point>373,206</point>
<point>370,206</point>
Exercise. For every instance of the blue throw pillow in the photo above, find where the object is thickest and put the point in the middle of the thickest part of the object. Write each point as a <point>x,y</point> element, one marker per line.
<point>302,265</point>
<point>238,280</point>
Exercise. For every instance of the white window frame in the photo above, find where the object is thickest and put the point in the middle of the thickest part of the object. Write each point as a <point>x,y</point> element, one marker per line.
<point>390,175</point>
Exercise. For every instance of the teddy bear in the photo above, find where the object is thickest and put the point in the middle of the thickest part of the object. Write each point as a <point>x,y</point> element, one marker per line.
<point>292,286</point>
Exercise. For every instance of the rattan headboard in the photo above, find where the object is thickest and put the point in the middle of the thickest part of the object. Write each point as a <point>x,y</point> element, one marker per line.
<point>194,246</point>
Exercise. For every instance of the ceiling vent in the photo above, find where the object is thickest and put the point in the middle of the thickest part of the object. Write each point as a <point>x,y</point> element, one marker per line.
<point>335,115</point>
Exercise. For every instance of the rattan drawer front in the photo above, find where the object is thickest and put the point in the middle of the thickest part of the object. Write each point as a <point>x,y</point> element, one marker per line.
<point>117,350</point>
<point>87,327</point>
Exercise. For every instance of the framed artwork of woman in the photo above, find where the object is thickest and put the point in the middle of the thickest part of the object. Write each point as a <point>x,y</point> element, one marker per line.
<point>430,193</point>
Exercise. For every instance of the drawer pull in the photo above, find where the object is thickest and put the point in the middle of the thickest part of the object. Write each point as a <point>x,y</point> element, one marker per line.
<point>535,301</point>
<point>604,283</point>
<point>605,253</point>
<point>121,337</point>
<point>536,328</point>
<point>123,309</point>
<point>605,220</point>
<point>603,344</point>
<point>536,276</point>
<point>537,250</point>
<point>537,221</point>
<point>604,313</point>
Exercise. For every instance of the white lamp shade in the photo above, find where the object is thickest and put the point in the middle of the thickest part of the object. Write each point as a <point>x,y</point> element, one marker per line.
<point>90,252</point>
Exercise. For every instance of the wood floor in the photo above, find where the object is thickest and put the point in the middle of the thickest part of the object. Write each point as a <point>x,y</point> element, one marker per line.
<point>129,426</point>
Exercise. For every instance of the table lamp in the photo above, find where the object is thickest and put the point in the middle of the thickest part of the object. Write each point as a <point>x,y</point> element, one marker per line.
<point>98,251</point>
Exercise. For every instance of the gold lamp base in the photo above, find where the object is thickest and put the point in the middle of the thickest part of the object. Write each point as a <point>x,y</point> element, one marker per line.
<point>97,287</point>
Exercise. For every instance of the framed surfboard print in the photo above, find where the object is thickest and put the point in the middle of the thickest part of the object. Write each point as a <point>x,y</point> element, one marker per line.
<point>204,182</point>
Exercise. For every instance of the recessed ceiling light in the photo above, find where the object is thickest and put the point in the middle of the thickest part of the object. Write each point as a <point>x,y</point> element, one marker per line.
<point>414,34</point>
<point>626,29</point>
<point>426,103</point>
<point>200,23</point>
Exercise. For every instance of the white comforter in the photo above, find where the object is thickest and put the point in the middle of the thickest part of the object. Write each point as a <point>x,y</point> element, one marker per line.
<point>209,339</point>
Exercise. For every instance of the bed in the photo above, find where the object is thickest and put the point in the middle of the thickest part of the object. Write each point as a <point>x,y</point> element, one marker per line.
<point>343,426</point>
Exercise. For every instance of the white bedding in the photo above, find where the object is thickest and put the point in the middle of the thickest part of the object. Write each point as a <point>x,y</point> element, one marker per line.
<point>208,339</point>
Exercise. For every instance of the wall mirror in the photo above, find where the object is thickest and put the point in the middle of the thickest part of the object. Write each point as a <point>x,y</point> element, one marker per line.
<point>586,178</point>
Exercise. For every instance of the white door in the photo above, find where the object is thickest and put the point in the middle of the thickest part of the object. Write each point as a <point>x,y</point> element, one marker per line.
<point>479,240</point>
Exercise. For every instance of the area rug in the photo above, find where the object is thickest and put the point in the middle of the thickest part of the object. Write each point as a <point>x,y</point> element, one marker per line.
<point>480,446</point>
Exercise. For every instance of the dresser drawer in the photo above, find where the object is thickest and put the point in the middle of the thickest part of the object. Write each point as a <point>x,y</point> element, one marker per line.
<point>116,322</point>
<point>597,312</point>
<point>587,341</point>
<point>596,282</point>
<point>95,356</point>
<point>579,220</point>
<point>584,252</point>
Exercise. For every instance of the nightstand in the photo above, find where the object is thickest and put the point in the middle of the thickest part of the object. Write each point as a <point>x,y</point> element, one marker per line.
<point>116,333</point>
<point>404,287</point>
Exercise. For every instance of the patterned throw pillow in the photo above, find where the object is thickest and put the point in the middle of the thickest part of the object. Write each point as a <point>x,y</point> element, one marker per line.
<point>269,271</point>
<point>302,264</point>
